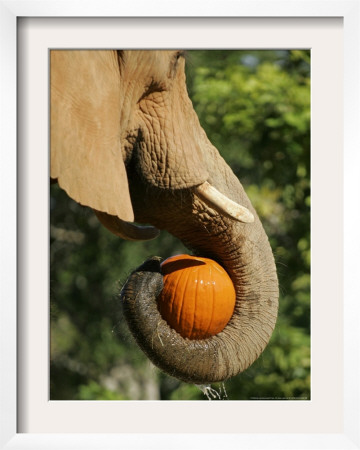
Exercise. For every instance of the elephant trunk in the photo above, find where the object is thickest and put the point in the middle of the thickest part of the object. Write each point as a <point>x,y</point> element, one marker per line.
<point>242,249</point>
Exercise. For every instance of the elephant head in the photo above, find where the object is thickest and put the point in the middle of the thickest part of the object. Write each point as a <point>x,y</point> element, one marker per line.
<point>126,142</point>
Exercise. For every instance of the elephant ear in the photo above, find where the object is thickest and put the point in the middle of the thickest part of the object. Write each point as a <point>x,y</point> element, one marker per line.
<point>86,157</point>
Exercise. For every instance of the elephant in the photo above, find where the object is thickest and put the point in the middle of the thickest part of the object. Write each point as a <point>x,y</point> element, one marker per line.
<point>127,143</point>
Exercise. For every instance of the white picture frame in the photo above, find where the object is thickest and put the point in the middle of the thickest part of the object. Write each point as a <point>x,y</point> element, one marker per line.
<point>10,258</point>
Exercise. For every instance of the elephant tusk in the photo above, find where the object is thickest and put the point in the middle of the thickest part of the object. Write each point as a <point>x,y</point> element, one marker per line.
<point>223,204</point>
<point>126,230</point>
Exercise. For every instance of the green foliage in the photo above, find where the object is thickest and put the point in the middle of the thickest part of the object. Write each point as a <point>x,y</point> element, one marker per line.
<point>255,108</point>
<point>93,391</point>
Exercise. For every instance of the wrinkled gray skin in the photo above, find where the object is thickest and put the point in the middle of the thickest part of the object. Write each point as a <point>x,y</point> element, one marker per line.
<point>166,155</point>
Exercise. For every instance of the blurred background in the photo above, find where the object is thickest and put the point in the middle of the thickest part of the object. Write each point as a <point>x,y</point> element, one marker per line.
<point>255,108</point>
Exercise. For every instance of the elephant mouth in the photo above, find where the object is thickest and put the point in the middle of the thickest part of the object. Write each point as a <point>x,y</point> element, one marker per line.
<point>205,191</point>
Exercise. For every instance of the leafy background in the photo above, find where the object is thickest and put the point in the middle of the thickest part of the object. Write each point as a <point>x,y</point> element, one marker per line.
<point>255,108</point>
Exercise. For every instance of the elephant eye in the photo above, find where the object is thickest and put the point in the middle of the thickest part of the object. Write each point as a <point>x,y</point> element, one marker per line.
<point>152,87</point>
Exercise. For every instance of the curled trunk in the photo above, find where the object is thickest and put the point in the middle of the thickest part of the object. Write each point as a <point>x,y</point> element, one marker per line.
<point>242,249</point>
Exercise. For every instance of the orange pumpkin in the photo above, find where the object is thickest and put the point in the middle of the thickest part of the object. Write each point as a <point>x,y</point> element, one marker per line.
<point>198,297</point>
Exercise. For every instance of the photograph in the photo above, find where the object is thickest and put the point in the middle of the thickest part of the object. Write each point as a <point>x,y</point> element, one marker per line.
<point>179,253</point>
<point>180,241</point>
